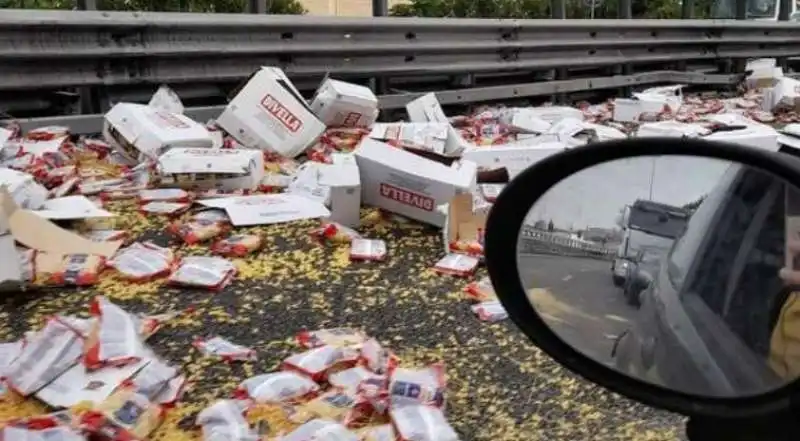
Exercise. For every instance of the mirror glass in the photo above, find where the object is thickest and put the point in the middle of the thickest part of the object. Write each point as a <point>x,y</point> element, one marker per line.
<point>671,269</point>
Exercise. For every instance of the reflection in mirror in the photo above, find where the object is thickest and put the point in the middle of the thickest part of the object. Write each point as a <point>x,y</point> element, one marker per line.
<point>670,269</point>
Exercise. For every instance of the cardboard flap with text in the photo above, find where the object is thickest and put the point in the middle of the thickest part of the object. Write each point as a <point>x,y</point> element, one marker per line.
<point>38,233</point>
<point>463,222</point>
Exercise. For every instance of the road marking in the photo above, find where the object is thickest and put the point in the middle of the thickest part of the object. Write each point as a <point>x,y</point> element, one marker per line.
<point>568,278</point>
<point>616,318</point>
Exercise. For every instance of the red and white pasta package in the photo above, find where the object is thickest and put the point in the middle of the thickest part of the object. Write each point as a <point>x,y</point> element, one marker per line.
<point>457,265</point>
<point>224,421</point>
<point>164,195</point>
<point>316,362</point>
<point>227,350</point>
<point>331,337</point>
<point>114,339</point>
<point>490,311</point>
<point>47,353</point>
<point>278,387</point>
<point>198,230</point>
<point>143,261</point>
<point>238,245</point>
<point>368,250</point>
<point>321,430</point>
<point>384,432</point>
<point>417,386</point>
<point>350,379</point>
<point>421,423</point>
<point>377,358</point>
<point>214,273</point>
<point>480,291</point>
<point>74,270</point>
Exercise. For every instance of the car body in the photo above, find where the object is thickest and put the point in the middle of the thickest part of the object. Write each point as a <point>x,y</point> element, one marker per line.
<point>704,325</point>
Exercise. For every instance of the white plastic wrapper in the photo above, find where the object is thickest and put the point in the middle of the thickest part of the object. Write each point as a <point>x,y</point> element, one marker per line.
<point>315,362</point>
<point>115,339</point>
<point>60,433</point>
<point>47,354</point>
<point>27,264</point>
<point>227,350</point>
<point>82,326</point>
<point>368,249</point>
<point>321,430</point>
<point>417,386</point>
<point>491,311</point>
<point>422,423</point>
<point>153,379</point>
<point>377,358</point>
<point>206,272</point>
<point>142,261</point>
<point>164,195</point>
<point>224,421</point>
<point>278,387</point>
<point>457,265</point>
<point>350,379</point>
<point>212,215</point>
<point>384,432</point>
<point>105,235</point>
<point>490,192</point>
<point>164,207</point>
<point>8,353</point>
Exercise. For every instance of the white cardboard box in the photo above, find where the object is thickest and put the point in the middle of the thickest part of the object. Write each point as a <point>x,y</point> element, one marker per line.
<point>26,192</point>
<point>344,180</point>
<point>268,113</point>
<point>409,185</point>
<point>139,131</point>
<point>340,104</point>
<point>752,133</point>
<point>426,109</point>
<point>428,137</point>
<point>652,100</point>
<point>222,169</point>
<point>514,158</point>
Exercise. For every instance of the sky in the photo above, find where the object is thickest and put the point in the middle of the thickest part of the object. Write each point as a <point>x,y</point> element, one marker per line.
<point>595,196</point>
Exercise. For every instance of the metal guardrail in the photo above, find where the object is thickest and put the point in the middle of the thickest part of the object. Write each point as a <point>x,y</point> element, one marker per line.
<point>535,241</point>
<point>52,49</point>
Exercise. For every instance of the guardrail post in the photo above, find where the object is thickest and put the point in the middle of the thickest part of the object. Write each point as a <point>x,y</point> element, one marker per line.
<point>624,11</point>
<point>256,6</point>
<point>380,8</point>
<point>87,96</point>
<point>558,10</point>
<point>784,13</point>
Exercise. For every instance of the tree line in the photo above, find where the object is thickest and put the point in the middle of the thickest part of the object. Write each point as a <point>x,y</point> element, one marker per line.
<point>409,8</point>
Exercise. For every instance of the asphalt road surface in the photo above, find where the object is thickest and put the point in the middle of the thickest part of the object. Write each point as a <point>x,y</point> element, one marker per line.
<point>577,298</point>
<point>500,387</point>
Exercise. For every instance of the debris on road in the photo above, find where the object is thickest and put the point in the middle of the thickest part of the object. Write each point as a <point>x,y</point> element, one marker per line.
<point>167,208</point>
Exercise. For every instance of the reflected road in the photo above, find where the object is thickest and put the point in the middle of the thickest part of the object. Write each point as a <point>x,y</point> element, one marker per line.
<point>577,299</point>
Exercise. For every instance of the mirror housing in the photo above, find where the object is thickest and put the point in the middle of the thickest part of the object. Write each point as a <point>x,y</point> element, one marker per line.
<point>507,218</point>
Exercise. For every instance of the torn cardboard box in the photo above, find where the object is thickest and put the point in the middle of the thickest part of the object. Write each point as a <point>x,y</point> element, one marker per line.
<point>140,132</point>
<point>652,101</point>
<point>340,104</point>
<point>34,232</point>
<point>205,169</point>
<point>466,223</point>
<point>344,181</point>
<point>409,185</point>
<point>426,109</point>
<point>514,158</point>
<point>424,137</point>
<point>269,113</point>
<point>25,191</point>
<point>265,209</point>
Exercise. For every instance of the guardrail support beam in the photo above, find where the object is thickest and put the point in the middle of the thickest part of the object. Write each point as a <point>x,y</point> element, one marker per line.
<point>380,8</point>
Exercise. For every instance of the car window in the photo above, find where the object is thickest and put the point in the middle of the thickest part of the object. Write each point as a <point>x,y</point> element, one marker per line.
<point>687,245</point>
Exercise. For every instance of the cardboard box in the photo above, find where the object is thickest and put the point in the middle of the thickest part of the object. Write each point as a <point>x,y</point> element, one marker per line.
<point>344,181</point>
<point>306,183</point>
<point>514,158</point>
<point>764,73</point>
<point>649,101</point>
<point>266,209</point>
<point>785,95</point>
<point>750,133</point>
<point>268,113</point>
<point>26,192</point>
<point>340,104</point>
<point>466,220</point>
<point>427,137</point>
<point>204,169</point>
<point>426,109</point>
<point>142,132</point>
<point>409,185</point>
<point>37,233</point>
